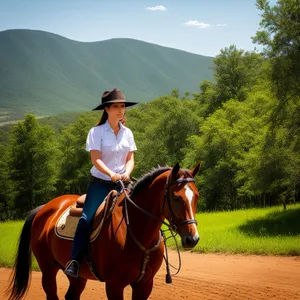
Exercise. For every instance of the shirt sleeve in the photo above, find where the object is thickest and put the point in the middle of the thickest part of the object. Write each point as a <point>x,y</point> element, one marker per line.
<point>93,141</point>
<point>131,141</point>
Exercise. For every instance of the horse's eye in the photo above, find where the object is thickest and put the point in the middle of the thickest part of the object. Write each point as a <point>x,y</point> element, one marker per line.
<point>177,198</point>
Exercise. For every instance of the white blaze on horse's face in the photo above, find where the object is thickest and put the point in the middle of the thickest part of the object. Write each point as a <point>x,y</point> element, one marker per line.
<point>190,195</point>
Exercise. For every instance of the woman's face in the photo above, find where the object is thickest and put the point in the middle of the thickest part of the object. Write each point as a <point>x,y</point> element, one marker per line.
<point>116,111</point>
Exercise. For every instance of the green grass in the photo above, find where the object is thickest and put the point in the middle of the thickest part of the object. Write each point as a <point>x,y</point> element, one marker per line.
<point>269,231</point>
<point>9,235</point>
<point>8,241</point>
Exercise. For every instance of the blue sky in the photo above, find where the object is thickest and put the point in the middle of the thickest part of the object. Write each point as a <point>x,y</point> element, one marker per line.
<point>197,26</point>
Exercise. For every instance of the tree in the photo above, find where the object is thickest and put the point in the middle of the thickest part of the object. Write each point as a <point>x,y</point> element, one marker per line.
<point>32,161</point>
<point>5,197</point>
<point>175,93</point>
<point>75,163</point>
<point>161,129</point>
<point>186,95</point>
<point>207,98</point>
<point>227,136</point>
<point>280,37</point>
<point>236,73</point>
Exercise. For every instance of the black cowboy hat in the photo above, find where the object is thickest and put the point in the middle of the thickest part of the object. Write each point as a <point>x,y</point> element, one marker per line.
<point>114,96</point>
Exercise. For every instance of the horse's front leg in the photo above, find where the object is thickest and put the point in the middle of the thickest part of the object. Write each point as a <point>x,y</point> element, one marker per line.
<point>142,290</point>
<point>76,287</point>
<point>114,290</point>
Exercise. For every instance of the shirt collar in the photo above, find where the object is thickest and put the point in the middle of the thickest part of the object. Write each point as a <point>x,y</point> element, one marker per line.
<point>122,127</point>
<point>107,126</point>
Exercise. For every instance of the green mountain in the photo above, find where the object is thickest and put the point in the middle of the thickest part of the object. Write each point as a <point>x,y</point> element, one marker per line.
<point>46,74</point>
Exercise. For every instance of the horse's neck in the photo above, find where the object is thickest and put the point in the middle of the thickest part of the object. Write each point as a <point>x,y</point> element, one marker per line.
<point>145,227</point>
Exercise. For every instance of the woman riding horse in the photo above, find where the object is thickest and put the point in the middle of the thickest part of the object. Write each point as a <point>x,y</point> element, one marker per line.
<point>129,249</point>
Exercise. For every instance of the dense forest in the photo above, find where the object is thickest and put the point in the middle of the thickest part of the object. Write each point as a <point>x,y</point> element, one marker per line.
<point>243,126</point>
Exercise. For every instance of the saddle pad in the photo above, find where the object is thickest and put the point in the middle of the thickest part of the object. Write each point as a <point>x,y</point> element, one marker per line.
<point>65,226</point>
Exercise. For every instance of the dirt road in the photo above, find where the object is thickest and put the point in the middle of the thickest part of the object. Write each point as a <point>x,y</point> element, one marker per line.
<point>202,276</point>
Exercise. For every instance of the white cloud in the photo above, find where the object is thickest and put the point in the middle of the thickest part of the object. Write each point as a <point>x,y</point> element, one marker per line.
<point>221,25</point>
<point>197,24</point>
<point>158,7</point>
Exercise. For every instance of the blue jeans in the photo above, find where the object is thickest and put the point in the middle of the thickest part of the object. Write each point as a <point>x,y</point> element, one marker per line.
<point>97,191</point>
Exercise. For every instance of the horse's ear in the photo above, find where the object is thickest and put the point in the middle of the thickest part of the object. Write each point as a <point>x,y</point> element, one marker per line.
<point>175,170</point>
<point>195,171</point>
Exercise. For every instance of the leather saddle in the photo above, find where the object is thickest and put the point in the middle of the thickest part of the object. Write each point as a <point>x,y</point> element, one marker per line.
<point>103,211</point>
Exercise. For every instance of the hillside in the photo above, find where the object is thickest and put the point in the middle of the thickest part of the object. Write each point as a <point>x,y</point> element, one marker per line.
<point>47,74</point>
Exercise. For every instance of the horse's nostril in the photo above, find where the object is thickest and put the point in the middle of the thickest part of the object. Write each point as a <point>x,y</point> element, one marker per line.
<point>192,241</point>
<point>189,241</point>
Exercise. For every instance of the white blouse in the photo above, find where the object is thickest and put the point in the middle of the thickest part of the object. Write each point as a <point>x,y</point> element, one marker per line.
<point>114,149</point>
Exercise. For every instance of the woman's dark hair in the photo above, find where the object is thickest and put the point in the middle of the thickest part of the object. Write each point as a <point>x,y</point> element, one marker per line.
<point>104,117</point>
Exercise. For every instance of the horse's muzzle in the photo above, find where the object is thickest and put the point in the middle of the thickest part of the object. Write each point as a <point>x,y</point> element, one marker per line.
<point>189,242</point>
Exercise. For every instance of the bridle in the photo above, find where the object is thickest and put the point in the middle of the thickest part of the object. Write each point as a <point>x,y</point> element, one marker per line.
<point>171,227</point>
<point>167,199</point>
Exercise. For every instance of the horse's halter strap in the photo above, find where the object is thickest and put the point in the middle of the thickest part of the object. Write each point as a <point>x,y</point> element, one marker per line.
<point>167,199</point>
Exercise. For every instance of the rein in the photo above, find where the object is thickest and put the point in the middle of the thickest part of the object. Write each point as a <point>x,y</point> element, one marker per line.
<point>171,227</point>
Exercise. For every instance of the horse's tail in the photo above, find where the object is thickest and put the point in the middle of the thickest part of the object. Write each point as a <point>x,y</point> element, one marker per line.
<point>22,267</point>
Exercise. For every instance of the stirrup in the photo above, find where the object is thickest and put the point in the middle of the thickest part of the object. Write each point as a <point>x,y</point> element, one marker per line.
<point>72,268</point>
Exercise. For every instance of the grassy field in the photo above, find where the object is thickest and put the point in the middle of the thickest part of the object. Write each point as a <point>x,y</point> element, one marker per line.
<point>269,231</point>
<point>9,235</point>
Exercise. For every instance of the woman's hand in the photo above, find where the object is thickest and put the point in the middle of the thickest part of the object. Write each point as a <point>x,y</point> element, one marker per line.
<point>115,177</point>
<point>125,177</point>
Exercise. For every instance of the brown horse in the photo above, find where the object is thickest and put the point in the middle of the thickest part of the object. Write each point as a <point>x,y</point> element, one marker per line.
<point>129,249</point>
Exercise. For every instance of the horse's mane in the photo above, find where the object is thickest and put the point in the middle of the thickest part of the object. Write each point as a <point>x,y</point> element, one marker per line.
<point>147,179</point>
